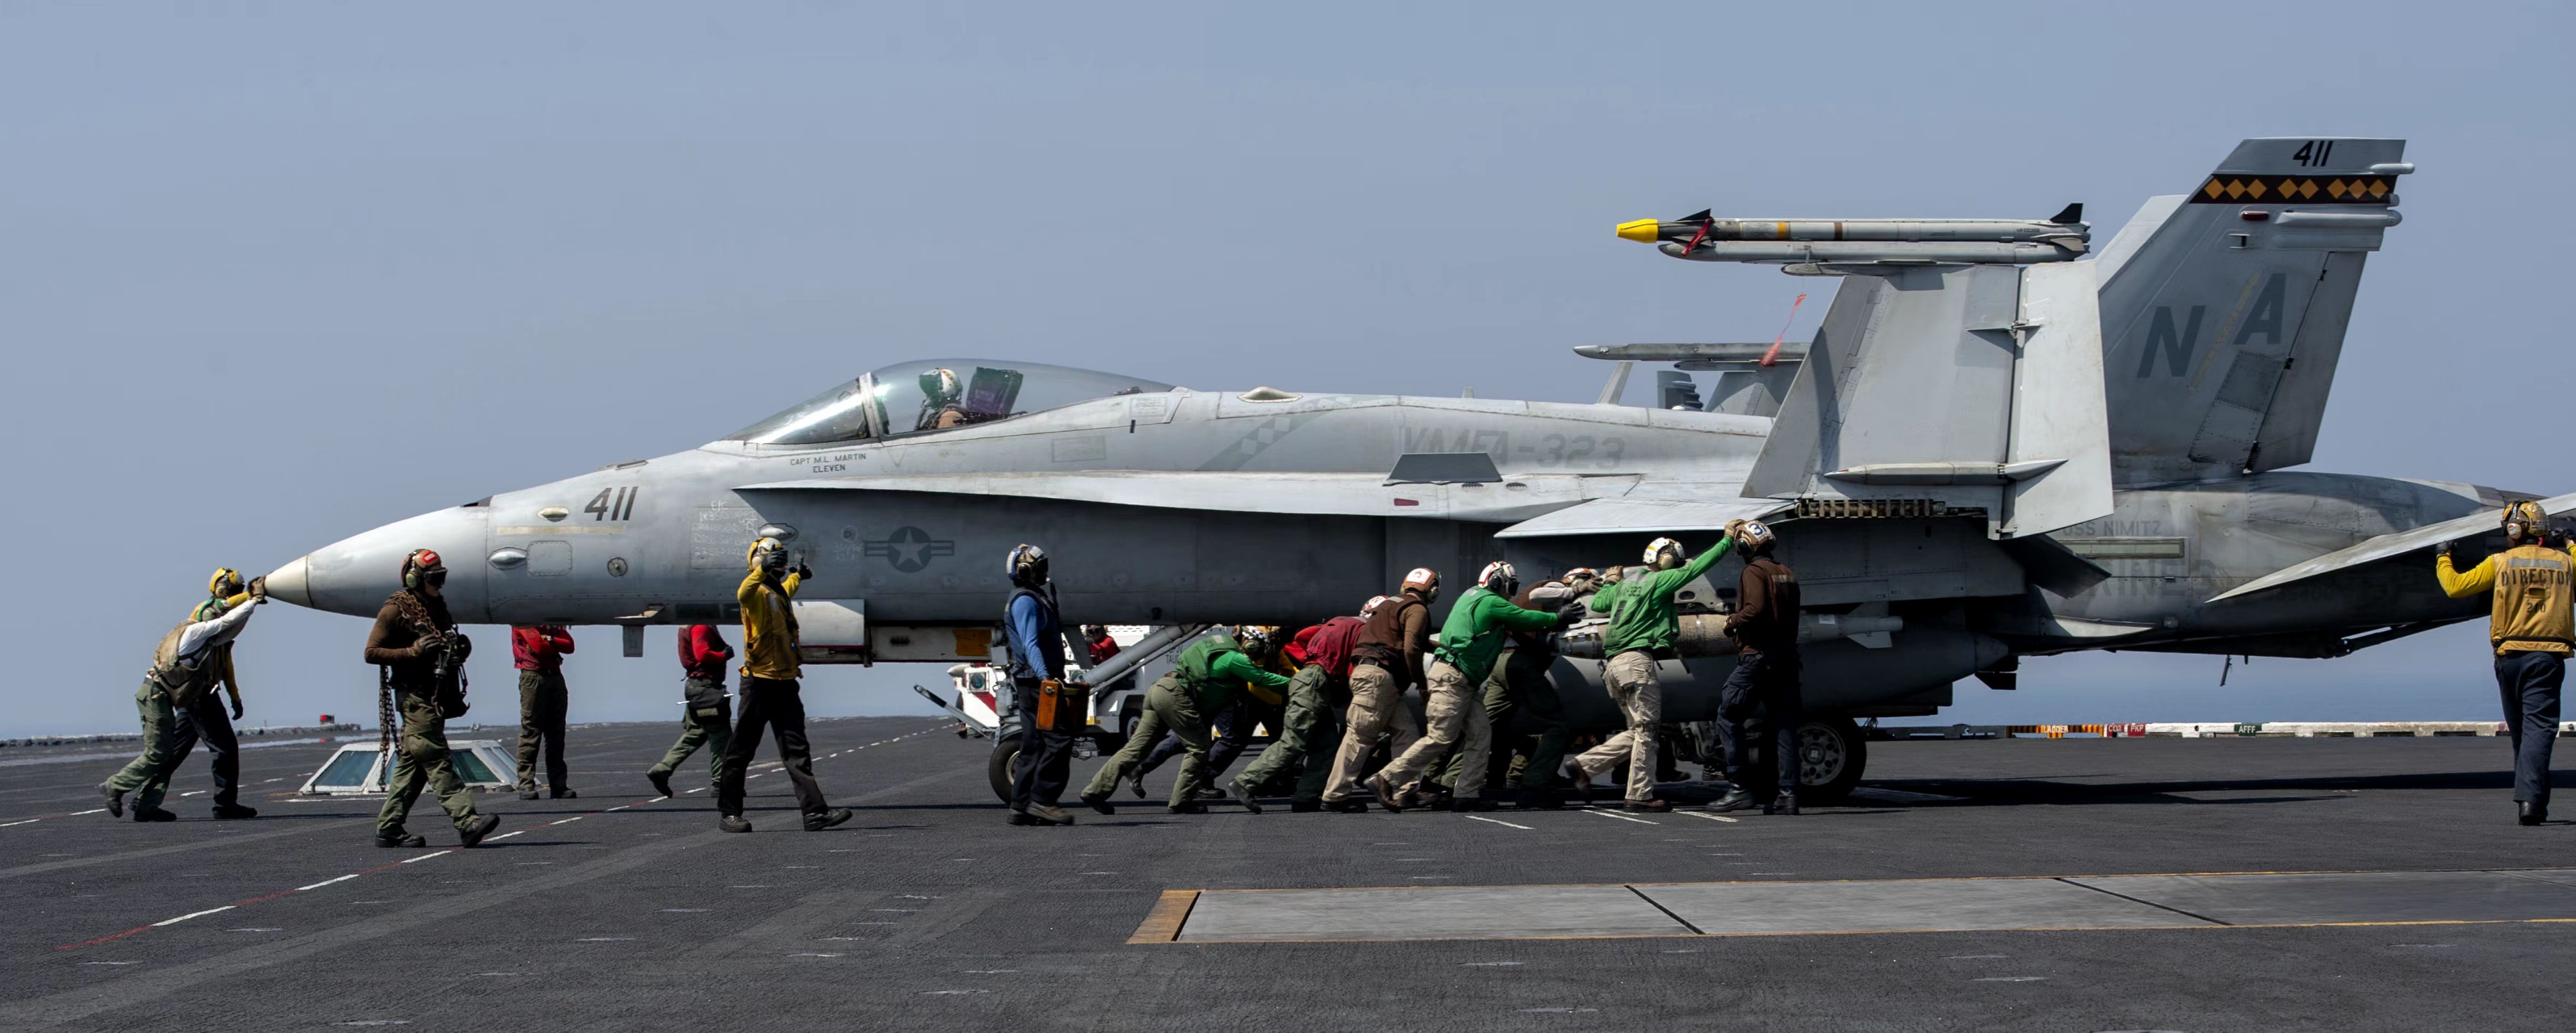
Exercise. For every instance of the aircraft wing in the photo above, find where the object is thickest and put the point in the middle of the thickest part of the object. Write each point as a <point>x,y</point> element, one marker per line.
<point>1535,506</point>
<point>1621,515</point>
<point>2385,546</point>
<point>1317,494</point>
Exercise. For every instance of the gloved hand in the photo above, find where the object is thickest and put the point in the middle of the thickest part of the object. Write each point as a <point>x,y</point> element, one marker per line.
<point>258,594</point>
<point>237,708</point>
<point>2444,549</point>
<point>804,573</point>
<point>1569,617</point>
<point>464,646</point>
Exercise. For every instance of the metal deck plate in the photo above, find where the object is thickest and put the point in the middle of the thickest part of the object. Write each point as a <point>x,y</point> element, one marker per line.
<point>1426,913</point>
<point>1923,905</point>
<point>1869,906</point>
<point>2313,899</point>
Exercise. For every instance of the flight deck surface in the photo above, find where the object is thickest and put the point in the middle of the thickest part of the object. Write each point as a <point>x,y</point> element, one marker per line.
<point>2018,884</point>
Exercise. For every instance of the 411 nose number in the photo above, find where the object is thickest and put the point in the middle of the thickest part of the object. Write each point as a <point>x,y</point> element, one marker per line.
<point>612,504</point>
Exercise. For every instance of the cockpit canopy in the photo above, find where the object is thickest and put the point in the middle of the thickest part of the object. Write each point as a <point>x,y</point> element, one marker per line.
<point>935,394</point>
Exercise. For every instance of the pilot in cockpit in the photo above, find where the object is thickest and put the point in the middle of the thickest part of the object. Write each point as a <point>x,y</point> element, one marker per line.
<point>941,398</point>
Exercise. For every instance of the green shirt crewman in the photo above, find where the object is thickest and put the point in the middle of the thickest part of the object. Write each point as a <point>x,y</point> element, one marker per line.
<point>1643,627</point>
<point>1454,712</point>
<point>1203,682</point>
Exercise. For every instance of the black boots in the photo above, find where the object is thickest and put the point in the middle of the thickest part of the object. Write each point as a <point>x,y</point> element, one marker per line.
<point>402,840</point>
<point>827,819</point>
<point>661,781</point>
<point>1785,803</point>
<point>115,800</point>
<point>231,811</point>
<point>1099,802</point>
<point>2529,813</point>
<point>1734,800</point>
<point>474,833</point>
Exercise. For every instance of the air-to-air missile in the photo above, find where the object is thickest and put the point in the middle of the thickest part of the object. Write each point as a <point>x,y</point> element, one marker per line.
<point>1703,238</point>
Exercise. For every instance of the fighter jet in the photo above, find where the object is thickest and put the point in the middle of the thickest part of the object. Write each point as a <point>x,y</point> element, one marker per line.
<point>2002,442</point>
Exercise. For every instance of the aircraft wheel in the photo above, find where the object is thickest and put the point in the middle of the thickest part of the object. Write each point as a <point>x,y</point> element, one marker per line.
<point>1005,750</point>
<point>1831,755</point>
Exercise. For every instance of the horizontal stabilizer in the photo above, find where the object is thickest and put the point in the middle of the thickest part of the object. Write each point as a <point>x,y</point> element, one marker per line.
<point>2388,546</point>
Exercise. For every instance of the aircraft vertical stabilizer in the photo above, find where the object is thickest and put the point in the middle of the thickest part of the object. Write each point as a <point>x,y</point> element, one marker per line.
<point>2223,310</point>
<point>1936,388</point>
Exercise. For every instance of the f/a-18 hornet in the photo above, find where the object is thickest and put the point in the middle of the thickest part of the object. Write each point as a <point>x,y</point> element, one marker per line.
<point>2001,442</point>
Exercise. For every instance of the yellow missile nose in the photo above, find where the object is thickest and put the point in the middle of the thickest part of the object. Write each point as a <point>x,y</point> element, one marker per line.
<point>1643,231</point>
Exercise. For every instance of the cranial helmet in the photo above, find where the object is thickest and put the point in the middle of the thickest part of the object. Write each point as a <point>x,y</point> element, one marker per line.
<point>423,567</point>
<point>1499,578</point>
<point>1424,579</point>
<point>1257,640</point>
<point>1369,609</point>
<point>226,583</point>
<point>767,555</point>
<point>1583,578</point>
<point>2525,521</point>
<point>1659,548</point>
<point>1027,566</point>
<point>1757,536</point>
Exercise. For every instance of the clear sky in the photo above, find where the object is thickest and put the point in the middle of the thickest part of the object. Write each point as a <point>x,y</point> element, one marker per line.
<point>273,275</point>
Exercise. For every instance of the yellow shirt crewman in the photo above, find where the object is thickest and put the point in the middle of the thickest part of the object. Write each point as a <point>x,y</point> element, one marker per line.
<point>770,698</point>
<point>2533,630</point>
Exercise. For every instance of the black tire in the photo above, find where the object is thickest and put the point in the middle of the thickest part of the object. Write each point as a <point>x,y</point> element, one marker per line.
<point>1005,750</point>
<point>1832,753</point>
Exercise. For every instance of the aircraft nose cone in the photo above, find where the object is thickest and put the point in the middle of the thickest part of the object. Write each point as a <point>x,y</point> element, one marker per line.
<point>287,583</point>
<point>354,575</point>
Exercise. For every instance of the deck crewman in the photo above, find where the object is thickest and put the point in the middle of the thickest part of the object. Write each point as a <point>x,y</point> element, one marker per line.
<point>1036,635</point>
<point>771,698</point>
<point>1210,672</point>
<point>2532,630</point>
<point>1311,727</point>
<point>707,715</point>
<point>420,658</point>
<point>537,650</point>
<point>1522,704</point>
<point>1764,685</point>
<point>179,708</point>
<point>1387,659</point>
<point>1470,642</point>
<point>1642,632</point>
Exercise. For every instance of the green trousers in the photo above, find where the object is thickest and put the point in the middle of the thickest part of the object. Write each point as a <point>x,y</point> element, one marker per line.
<point>148,776</point>
<point>1521,703</point>
<point>1309,735</point>
<point>421,760</point>
<point>1167,709</point>
<point>710,728</point>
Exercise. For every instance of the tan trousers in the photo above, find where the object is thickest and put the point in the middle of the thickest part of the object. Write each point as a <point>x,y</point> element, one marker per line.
<point>1377,707</point>
<point>1456,712</point>
<point>1632,684</point>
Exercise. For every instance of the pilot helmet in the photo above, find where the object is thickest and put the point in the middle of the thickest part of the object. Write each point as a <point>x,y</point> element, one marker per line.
<point>941,385</point>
